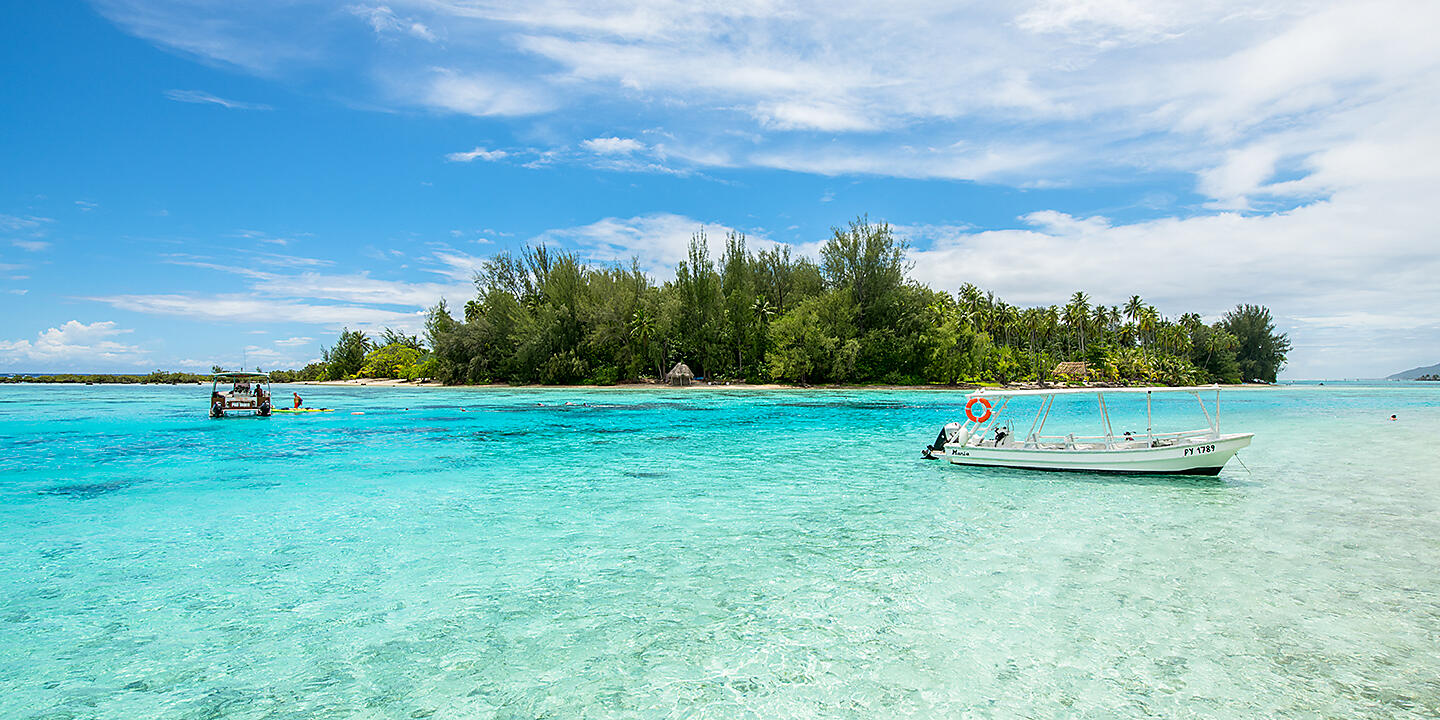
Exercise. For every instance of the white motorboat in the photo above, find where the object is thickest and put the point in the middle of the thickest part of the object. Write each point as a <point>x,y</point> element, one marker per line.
<point>987,439</point>
<point>250,393</point>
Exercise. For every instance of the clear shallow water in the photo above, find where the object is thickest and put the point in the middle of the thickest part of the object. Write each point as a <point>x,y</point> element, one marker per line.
<point>703,554</point>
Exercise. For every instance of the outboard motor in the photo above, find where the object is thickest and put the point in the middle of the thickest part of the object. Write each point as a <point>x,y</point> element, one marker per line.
<point>952,432</point>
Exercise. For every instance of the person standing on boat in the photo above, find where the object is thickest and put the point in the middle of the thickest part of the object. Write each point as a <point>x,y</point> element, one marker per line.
<point>297,400</point>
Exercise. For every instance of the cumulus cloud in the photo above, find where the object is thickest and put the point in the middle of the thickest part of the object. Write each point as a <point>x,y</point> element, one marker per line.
<point>659,241</point>
<point>478,153</point>
<point>1303,125</point>
<point>1352,271</point>
<point>73,344</point>
<point>613,145</point>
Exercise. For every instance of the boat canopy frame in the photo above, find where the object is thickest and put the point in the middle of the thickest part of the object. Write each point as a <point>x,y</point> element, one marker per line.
<point>240,375</point>
<point>1034,439</point>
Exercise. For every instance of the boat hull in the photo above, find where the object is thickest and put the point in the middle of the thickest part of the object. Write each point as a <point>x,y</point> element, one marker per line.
<point>1204,457</point>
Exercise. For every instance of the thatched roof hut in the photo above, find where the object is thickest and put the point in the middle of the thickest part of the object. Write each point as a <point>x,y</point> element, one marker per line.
<point>680,375</point>
<point>1075,370</point>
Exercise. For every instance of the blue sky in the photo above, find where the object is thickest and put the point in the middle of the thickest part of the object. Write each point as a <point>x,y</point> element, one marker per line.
<point>187,182</point>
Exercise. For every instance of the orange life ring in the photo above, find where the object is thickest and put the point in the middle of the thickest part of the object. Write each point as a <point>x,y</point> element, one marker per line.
<point>970,409</point>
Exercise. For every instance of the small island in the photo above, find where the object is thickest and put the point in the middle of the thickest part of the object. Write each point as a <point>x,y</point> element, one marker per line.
<point>856,317</point>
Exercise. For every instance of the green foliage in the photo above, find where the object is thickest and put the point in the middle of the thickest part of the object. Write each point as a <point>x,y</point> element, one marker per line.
<point>542,316</point>
<point>313,371</point>
<point>396,337</point>
<point>347,357</point>
<point>814,342</point>
<point>158,377</point>
<point>391,361</point>
<point>1260,351</point>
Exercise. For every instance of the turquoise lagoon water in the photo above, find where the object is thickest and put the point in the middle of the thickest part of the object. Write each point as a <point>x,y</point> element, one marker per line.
<point>469,553</point>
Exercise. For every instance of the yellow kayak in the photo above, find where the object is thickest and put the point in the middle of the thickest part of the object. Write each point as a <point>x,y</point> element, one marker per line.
<point>302,410</point>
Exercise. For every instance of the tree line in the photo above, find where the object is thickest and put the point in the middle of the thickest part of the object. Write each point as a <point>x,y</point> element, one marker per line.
<point>158,377</point>
<point>544,316</point>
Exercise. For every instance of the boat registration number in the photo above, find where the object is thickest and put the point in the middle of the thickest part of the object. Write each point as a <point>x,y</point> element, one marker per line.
<point>1199,450</point>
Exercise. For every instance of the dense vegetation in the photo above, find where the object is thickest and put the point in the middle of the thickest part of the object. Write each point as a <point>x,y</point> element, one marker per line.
<point>159,377</point>
<point>543,316</point>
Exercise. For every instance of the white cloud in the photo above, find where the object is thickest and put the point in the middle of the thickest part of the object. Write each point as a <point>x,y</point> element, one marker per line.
<point>479,153</point>
<point>813,115</point>
<point>73,344</point>
<point>455,265</point>
<point>480,94</point>
<point>201,97</point>
<point>268,357</point>
<point>613,145</point>
<point>262,42</point>
<point>242,307</point>
<point>290,288</point>
<point>1106,24</point>
<point>1303,124</point>
<point>294,341</point>
<point>31,245</point>
<point>27,223</point>
<point>86,205</point>
<point>1353,271</point>
<point>1240,176</point>
<point>1163,85</point>
<point>358,289</point>
<point>959,161</point>
<point>658,241</point>
<point>384,20</point>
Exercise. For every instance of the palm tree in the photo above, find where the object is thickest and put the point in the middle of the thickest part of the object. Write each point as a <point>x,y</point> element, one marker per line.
<point>1033,319</point>
<point>971,304</point>
<point>1076,315</point>
<point>1133,307</point>
<point>1149,320</point>
<point>642,331</point>
<point>1100,318</point>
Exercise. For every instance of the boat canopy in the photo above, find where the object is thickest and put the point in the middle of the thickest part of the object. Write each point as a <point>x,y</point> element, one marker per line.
<point>986,392</point>
<point>241,375</point>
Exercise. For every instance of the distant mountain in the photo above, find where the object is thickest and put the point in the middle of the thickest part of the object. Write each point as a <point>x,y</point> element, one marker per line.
<point>1416,372</point>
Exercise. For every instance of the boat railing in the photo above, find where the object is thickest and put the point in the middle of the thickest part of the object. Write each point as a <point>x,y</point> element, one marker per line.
<point>1072,441</point>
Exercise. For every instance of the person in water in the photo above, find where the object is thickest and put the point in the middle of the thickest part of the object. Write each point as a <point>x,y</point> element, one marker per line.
<point>297,400</point>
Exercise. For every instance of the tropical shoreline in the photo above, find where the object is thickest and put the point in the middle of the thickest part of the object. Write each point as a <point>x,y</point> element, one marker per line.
<point>393,383</point>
